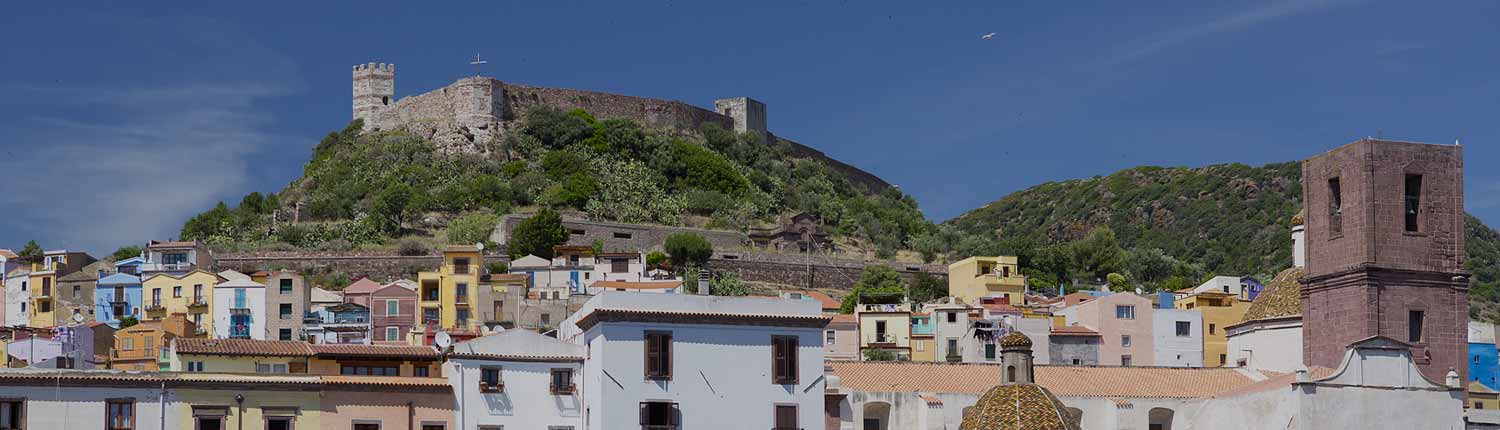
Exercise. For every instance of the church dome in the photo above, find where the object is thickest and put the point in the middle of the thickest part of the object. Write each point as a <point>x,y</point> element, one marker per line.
<point>1299,217</point>
<point>1015,340</point>
<point>1017,406</point>
<point>1281,298</point>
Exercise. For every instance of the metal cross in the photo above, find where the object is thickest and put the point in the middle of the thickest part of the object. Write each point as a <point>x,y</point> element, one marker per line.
<point>477,62</point>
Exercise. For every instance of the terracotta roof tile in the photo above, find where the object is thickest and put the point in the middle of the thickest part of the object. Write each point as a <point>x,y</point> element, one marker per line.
<point>374,350</point>
<point>1064,381</point>
<point>1277,381</point>
<point>264,348</point>
<point>178,244</point>
<point>8,254</point>
<point>676,317</point>
<point>1281,298</point>
<point>654,285</point>
<point>1073,330</point>
<point>362,286</point>
<point>827,301</point>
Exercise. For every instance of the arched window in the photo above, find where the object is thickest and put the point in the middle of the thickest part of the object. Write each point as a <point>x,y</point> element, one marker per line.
<point>1010,373</point>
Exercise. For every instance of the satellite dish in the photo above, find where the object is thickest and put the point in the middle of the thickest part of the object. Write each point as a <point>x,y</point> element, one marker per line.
<point>78,318</point>
<point>479,245</point>
<point>442,340</point>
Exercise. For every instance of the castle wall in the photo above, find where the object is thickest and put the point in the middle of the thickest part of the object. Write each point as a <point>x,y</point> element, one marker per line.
<point>874,183</point>
<point>655,112</point>
<point>621,236</point>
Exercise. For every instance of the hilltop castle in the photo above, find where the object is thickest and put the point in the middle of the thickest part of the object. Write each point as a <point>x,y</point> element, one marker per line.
<point>476,109</point>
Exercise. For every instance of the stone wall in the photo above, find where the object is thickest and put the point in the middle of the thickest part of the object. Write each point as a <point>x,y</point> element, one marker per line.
<point>1064,349</point>
<point>621,236</point>
<point>870,181</point>
<point>658,113</point>
<point>382,268</point>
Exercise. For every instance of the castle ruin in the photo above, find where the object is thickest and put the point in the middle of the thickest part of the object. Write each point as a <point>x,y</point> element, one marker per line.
<point>464,115</point>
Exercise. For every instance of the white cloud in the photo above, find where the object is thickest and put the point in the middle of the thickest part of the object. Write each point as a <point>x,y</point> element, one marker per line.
<point>1148,46</point>
<point>142,162</point>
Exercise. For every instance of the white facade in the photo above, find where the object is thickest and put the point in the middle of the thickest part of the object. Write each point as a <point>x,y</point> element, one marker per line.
<point>1299,246</point>
<point>1174,347</point>
<point>17,296</point>
<point>1273,344</point>
<point>1221,284</point>
<point>721,374</point>
<point>69,407</point>
<point>239,302</point>
<point>950,322</point>
<point>526,362</point>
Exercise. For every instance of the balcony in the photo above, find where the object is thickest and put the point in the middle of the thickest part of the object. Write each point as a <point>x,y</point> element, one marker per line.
<point>198,302</point>
<point>167,267</point>
<point>885,308</point>
<point>461,270</point>
<point>883,338</point>
<point>564,390</point>
<point>155,306</point>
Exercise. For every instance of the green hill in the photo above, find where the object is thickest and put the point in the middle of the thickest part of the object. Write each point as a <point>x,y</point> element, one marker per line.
<point>363,190</point>
<point>1171,227</point>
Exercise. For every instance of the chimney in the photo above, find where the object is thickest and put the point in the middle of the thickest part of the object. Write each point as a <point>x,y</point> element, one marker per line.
<point>703,283</point>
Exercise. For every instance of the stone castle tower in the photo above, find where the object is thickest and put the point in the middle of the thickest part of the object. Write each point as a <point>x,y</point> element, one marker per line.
<point>748,114</point>
<point>374,92</point>
<point>1385,252</point>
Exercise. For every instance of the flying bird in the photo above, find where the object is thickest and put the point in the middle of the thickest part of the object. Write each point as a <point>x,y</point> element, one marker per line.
<point>987,36</point>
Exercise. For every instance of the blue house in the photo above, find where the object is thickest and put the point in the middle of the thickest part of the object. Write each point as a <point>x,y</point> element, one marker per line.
<point>1483,363</point>
<point>119,295</point>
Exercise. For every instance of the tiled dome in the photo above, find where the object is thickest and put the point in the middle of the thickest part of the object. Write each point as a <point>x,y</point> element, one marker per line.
<point>1017,406</point>
<point>1281,298</point>
<point>1015,340</point>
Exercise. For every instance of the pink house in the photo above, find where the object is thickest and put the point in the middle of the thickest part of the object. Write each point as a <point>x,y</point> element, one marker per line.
<point>1123,320</point>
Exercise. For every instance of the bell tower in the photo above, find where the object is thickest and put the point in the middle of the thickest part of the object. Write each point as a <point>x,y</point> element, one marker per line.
<point>1384,237</point>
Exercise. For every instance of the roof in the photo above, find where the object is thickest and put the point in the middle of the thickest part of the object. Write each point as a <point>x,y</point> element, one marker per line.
<point>530,261</point>
<point>1280,381</point>
<point>518,345</point>
<point>250,347</point>
<point>184,275</point>
<point>120,279</point>
<point>240,283</point>
<point>8,254</point>
<point>357,350</point>
<point>231,274</point>
<point>1074,330</point>
<point>362,286</point>
<point>599,315</point>
<point>89,378</point>
<point>461,248</point>
<point>1017,406</point>
<point>171,244</point>
<point>1063,381</point>
<point>654,285</point>
<point>1015,340</point>
<point>320,295</point>
<point>844,319</point>
<point>510,277</point>
<point>1281,298</point>
<point>1001,308</point>
<point>827,301</point>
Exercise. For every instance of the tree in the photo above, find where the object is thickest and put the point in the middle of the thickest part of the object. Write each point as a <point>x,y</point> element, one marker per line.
<point>537,235</point>
<point>126,252</point>
<point>1117,282</point>
<point>925,288</point>
<point>876,284</point>
<point>392,205</point>
<point>655,259</point>
<point>1149,265</point>
<point>31,253</point>
<point>127,321</point>
<point>472,228</point>
<point>688,249</point>
<point>1097,254</point>
<point>879,355</point>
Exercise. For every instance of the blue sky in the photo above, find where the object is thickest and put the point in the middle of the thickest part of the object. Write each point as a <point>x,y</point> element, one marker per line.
<point>119,121</point>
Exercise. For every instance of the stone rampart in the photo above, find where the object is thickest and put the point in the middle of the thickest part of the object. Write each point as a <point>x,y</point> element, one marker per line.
<point>874,183</point>
<point>654,112</point>
<point>621,236</point>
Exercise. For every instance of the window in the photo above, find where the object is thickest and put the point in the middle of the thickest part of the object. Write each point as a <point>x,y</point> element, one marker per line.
<point>1413,201</point>
<point>952,317</point>
<point>12,414</point>
<point>1414,326</point>
<point>619,265</point>
<point>198,293</point>
<point>430,316</point>
<point>562,381</point>
<point>462,317</point>
<point>828,337</point>
<point>286,286</point>
<point>1211,328</point>
<point>461,292</point>
<point>1335,207</point>
<point>546,319</point>
<point>279,423</point>
<point>77,292</point>
<point>460,265</point>
<point>784,359</point>
<point>489,380</point>
<point>1223,359</point>
<point>369,369</point>
<point>786,417</point>
<point>284,334</point>
<point>658,416</point>
<point>129,344</point>
<point>393,307</point>
<point>366,426</point>
<point>46,306</point>
<point>419,371</point>
<point>1124,312</point>
<point>285,309</point>
<point>195,366</point>
<point>148,342</point>
<point>1125,360</point>
<point>1478,405</point>
<point>177,291</point>
<point>156,296</point>
<point>119,414</point>
<point>270,368</point>
<point>1184,328</point>
<point>392,334</point>
<point>575,232</point>
<point>952,346</point>
<point>1077,362</point>
<point>1125,340</point>
<point>619,235</point>
<point>658,355</point>
<point>989,351</point>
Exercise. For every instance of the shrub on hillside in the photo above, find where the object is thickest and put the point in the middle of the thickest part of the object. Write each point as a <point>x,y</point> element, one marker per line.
<point>537,235</point>
<point>688,249</point>
<point>411,248</point>
<point>472,228</point>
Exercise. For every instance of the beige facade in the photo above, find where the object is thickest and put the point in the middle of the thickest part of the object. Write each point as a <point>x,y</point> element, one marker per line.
<point>885,327</point>
<point>1124,322</point>
<point>975,277</point>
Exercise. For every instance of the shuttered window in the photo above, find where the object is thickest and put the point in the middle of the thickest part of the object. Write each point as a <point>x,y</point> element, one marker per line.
<point>784,359</point>
<point>658,355</point>
<point>786,417</point>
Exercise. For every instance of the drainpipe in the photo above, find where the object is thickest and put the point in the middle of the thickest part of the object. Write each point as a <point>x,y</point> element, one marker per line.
<point>240,400</point>
<point>161,399</point>
<point>411,416</point>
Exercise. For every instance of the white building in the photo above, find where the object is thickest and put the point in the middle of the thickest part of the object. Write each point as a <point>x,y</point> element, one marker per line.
<point>17,296</point>
<point>574,270</point>
<point>657,287</point>
<point>691,361</point>
<point>239,308</point>
<point>47,404</point>
<point>517,379</point>
<point>9,261</point>
<point>1178,336</point>
<point>1269,337</point>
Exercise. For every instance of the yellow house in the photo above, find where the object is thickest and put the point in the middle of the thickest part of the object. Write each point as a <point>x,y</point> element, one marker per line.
<point>254,402</point>
<point>975,277</point>
<point>1482,397</point>
<point>190,294</point>
<point>1219,310</point>
<point>885,327</point>
<point>46,296</point>
<point>446,298</point>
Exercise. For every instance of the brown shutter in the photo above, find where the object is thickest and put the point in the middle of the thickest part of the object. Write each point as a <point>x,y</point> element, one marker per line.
<point>666,358</point>
<point>645,413</point>
<point>653,354</point>
<point>778,359</point>
<point>791,359</point>
<point>673,414</point>
<point>786,417</point>
<point>296,367</point>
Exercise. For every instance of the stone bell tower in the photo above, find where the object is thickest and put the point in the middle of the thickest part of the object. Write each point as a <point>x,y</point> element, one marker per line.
<point>1385,252</point>
<point>374,92</point>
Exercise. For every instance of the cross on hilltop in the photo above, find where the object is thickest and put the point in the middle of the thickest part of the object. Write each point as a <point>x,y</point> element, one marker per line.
<point>477,63</point>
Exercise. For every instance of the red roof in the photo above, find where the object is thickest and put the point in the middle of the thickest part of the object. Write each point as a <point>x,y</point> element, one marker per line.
<point>155,244</point>
<point>264,348</point>
<point>362,286</point>
<point>1073,330</point>
<point>1001,308</point>
<point>828,302</point>
<point>375,350</point>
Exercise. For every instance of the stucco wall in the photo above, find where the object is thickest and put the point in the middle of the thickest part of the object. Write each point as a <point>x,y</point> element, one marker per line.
<point>180,410</point>
<point>1269,345</point>
<point>255,299</point>
<point>1065,349</point>
<point>341,409</point>
<point>1099,315</point>
<point>17,294</point>
<point>49,407</point>
<point>526,402</point>
<point>1172,349</point>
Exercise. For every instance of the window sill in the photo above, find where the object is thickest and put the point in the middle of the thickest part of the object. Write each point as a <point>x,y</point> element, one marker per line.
<point>1413,233</point>
<point>659,378</point>
<point>1336,236</point>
